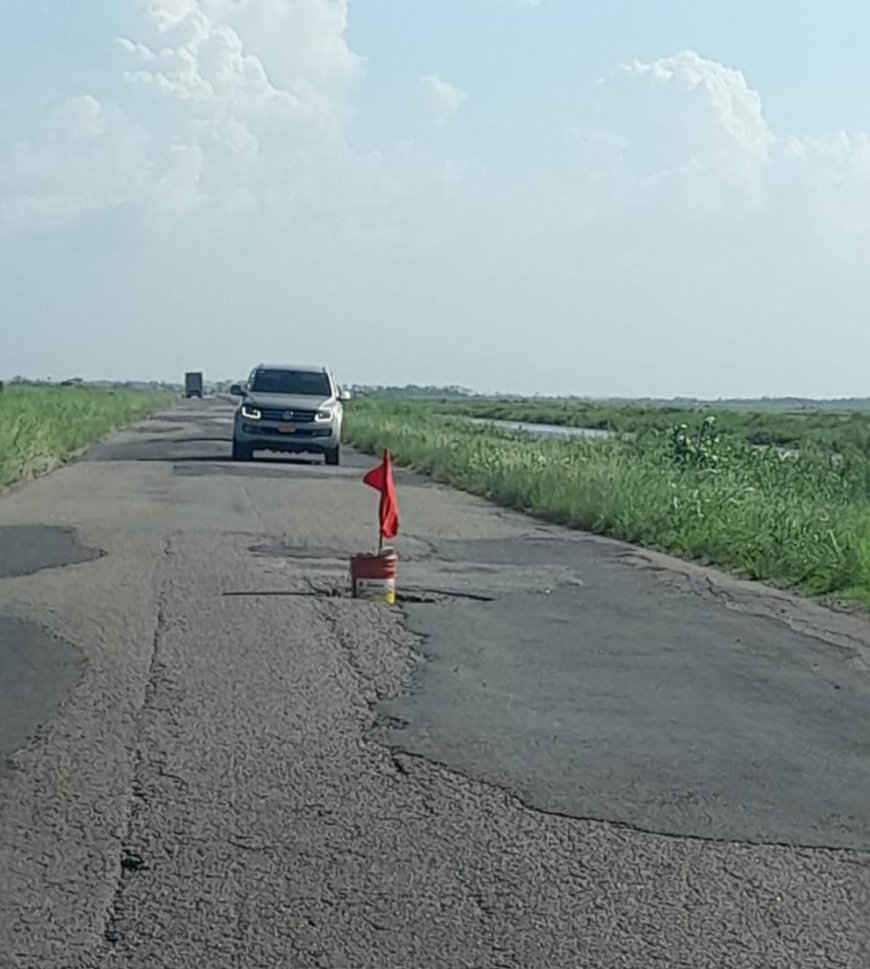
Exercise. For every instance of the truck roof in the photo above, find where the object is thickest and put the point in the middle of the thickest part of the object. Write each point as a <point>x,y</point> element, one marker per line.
<point>301,367</point>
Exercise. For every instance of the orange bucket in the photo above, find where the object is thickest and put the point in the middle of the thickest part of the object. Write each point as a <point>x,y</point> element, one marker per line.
<point>374,577</point>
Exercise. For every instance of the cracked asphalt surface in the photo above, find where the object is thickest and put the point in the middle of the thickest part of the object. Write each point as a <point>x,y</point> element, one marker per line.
<point>558,752</point>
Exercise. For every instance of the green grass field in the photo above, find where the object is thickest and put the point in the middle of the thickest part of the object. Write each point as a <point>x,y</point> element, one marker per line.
<point>698,493</point>
<point>832,429</point>
<point>40,427</point>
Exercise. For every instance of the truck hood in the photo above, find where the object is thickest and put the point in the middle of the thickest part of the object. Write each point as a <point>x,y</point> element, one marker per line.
<point>289,402</point>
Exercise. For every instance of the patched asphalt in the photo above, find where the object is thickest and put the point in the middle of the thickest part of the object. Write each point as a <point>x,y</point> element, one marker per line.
<point>36,668</point>
<point>555,752</point>
<point>36,671</point>
<point>26,549</point>
<point>623,700</point>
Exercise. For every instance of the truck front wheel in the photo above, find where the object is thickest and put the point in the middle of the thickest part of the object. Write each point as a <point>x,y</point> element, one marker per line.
<point>241,452</point>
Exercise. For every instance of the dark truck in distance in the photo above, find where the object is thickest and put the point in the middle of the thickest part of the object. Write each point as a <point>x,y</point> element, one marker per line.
<point>193,384</point>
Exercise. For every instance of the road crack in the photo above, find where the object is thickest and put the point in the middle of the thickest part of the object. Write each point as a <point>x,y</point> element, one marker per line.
<point>131,859</point>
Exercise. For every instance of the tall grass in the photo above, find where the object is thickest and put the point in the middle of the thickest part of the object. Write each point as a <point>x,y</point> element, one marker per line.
<point>42,426</point>
<point>799,522</point>
<point>832,429</point>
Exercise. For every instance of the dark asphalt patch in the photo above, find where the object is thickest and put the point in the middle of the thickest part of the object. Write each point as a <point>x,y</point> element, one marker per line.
<point>219,439</point>
<point>210,454</point>
<point>151,427</point>
<point>423,597</point>
<point>625,701</point>
<point>27,549</point>
<point>159,449</point>
<point>532,550</point>
<point>36,672</point>
<point>298,471</point>
<point>185,418</point>
<point>283,550</point>
<point>334,591</point>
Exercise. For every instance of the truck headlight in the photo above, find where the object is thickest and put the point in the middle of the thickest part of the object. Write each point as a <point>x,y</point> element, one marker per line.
<point>322,416</point>
<point>251,413</point>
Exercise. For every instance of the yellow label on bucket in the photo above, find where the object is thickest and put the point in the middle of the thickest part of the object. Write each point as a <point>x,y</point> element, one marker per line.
<point>380,590</point>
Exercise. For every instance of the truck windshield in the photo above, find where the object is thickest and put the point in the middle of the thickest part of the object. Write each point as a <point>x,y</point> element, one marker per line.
<point>295,382</point>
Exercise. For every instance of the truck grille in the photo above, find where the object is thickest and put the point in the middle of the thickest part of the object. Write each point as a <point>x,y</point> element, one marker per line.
<point>294,416</point>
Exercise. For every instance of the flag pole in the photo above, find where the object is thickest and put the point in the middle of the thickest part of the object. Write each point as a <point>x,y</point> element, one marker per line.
<point>381,529</point>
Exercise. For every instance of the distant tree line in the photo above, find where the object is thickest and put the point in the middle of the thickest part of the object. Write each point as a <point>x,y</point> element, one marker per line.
<point>415,392</point>
<point>159,386</point>
<point>455,392</point>
<point>412,392</point>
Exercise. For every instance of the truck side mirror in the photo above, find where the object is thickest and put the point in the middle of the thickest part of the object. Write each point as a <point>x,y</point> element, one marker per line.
<point>237,391</point>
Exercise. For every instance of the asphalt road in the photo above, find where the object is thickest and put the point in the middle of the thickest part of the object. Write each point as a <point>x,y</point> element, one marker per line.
<point>558,752</point>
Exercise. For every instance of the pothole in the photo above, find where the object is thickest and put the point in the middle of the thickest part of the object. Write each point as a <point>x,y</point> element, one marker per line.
<point>415,597</point>
<point>285,551</point>
<point>27,549</point>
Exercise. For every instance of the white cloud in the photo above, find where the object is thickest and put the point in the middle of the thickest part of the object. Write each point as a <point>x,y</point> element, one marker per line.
<point>141,51</point>
<point>301,43</point>
<point>168,14</point>
<point>688,117</point>
<point>240,105</point>
<point>214,88</point>
<point>685,135</point>
<point>442,98</point>
<point>251,58</point>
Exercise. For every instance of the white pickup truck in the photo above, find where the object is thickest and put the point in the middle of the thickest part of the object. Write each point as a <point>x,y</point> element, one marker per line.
<point>290,409</point>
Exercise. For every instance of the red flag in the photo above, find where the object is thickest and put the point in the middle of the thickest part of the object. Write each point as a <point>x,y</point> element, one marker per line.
<point>381,479</point>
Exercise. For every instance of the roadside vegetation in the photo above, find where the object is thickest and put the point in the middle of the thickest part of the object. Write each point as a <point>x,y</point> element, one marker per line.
<point>40,427</point>
<point>833,429</point>
<point>692,484</point>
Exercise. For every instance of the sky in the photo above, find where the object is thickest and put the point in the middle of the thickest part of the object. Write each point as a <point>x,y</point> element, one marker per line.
<point>634,199</point>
